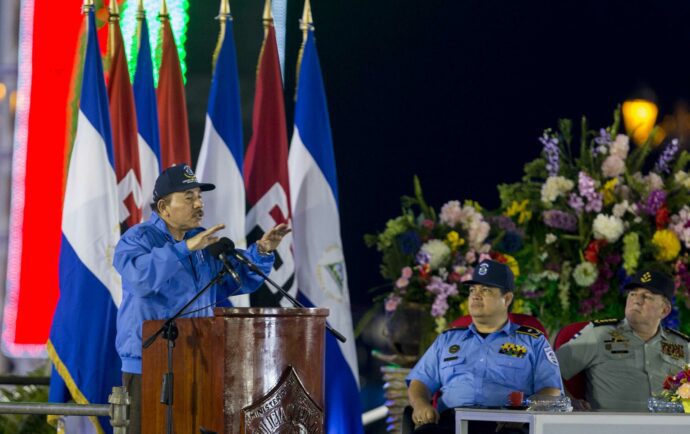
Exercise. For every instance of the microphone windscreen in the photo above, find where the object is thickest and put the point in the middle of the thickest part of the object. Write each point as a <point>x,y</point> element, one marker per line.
<point>223,245</point>
<point>228,244</point>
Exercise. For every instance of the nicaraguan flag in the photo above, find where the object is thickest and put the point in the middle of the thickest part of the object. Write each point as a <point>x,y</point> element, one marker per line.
<point>222,149</point>
<point>147,119</point>
<point>82,336</point>
<point>319,260</point>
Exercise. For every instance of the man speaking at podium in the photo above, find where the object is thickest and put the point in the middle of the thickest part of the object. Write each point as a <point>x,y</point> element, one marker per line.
<point>163,264</point>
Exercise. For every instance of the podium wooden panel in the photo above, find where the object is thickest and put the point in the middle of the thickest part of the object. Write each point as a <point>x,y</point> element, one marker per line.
<point>229,362</point>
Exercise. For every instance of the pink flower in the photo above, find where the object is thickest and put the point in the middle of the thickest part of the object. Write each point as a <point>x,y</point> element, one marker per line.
<point>613,166</point>
<point>684,391</point>
<point>470,257</point>
<point>429,224</point>
<point>484,256</point>
<point>392,303</point>
<point>402,283</point>
<point>406,272</point>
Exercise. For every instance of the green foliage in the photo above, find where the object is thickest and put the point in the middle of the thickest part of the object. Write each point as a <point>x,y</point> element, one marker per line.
<point>20,423</point>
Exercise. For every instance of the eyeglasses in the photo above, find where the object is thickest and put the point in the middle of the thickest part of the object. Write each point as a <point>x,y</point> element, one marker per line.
<point>483,290</point>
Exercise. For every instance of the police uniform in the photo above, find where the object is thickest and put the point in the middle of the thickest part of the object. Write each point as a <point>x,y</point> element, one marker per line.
<point>622,370</point>
<point>471,370</point>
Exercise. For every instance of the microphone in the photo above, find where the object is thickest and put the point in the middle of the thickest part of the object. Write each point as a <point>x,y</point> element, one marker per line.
<point>219,250</point>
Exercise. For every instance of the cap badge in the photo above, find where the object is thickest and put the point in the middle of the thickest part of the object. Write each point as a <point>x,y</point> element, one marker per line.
<point>189,173</point>
<point>483,269</point>
<point>646,277</point>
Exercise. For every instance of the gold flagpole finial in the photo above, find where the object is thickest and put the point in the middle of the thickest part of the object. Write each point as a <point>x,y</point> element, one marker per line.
<point>141,12</point>
<point>306,23</point>
<point>114,10</point>
<point>87,5</point>
<point>268,15</point>
<point>224,13</point>
<point>164,10</point>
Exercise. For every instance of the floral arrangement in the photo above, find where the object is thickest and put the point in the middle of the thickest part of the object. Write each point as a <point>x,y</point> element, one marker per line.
<point>677,388</point>
<point>426,256</point>
<point>589,222</point>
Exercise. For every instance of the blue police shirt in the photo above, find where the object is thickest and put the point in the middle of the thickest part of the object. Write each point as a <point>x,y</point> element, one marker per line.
<point>471,370</point>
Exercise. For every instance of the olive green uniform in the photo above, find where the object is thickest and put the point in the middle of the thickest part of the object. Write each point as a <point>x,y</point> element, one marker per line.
<point>622,370</point>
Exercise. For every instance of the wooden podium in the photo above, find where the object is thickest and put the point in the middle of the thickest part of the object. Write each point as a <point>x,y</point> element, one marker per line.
<point>244,370</point>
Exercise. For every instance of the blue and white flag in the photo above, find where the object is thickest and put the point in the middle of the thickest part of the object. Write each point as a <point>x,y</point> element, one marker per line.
<point>82,336</point>
<point>222,149</point>
<point>147,119</point>
<point>319,260</point>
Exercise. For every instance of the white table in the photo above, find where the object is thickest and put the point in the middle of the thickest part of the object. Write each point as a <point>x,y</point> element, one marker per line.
<point>580,422</point>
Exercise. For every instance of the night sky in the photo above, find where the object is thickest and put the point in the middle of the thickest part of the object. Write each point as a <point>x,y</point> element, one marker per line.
<point>455,91</point>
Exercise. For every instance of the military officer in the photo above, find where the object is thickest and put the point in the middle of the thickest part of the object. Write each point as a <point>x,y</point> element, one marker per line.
<point>626,361</point>
<point>482,364</point>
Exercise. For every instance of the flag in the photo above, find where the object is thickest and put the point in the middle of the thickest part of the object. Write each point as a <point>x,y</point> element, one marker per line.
<point>222,149</point>
<point>124,125</point>
<point>49,35</point>
<point>265,171</point>
<point>82,336</point>
<point>319,260</point>
<point>172,109</point>
<point>147,117</point>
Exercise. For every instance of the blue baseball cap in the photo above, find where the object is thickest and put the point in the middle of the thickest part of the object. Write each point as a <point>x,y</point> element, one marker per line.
<point>492,273</point>
<point>177,178</point>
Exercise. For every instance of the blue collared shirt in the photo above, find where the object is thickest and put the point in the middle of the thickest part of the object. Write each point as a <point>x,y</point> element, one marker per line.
<point>470,370</point>
<point>160,274</point>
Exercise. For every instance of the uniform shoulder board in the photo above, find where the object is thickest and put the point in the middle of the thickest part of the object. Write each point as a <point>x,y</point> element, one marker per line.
<point>679,333</point>
<point>527,330</point>
<point>455,329</point>
<point>607,321</point>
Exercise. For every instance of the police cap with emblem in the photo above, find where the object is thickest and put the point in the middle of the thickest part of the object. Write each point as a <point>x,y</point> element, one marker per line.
<point>492,273</point>
<point>654,281</point>
<point>175,179</point>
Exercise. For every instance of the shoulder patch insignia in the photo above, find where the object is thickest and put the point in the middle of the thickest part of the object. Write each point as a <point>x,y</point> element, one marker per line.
<point>526,330</point>
<point>679,333</point>
<point>454,329</point>
<point>603,322</point>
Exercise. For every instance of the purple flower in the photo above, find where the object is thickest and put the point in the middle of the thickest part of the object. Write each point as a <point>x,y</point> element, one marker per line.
<point>654,201</point>
<point>587,187</point>
<point>576,203</point>
<point>552,153</point>
<point>423,257</point>
<point>604,139</point>
<point>560,220</point>
<point>662,164</point>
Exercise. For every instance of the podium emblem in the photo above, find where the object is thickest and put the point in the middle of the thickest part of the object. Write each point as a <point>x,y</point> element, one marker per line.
<point>286,409</point>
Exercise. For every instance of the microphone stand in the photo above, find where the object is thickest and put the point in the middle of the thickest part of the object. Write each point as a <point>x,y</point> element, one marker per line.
<point>253,267</point>
<point>170,332</point>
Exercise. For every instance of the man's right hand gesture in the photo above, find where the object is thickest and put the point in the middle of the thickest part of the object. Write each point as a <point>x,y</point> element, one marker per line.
<point>204,239</point>
<point>424,413</point>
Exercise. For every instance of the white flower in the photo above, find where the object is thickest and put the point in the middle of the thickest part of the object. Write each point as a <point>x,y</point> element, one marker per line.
<point>550,238</point>
<point>620,146</point>
<point>606,227</point>
<point>554,187</point>
<point>654,182</point>
<point>620,209</point>
<point>451,213</point>
<point>682,178</point>
<point>680,225</point>
<point>585,274</point>
<point>438,252</point>
<point>613,166</point>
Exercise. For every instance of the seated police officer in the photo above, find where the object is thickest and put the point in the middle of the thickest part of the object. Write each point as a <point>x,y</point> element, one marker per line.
<point>626,361</point>
<point>482,364</point>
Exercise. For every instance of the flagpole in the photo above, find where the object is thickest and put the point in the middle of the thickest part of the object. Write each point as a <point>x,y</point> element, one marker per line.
<point>87,6</point>
<point>267,17</point>
<point>141,16</point>
<point>306,23</point>
<point>113,18</point>
<point>224,16</point>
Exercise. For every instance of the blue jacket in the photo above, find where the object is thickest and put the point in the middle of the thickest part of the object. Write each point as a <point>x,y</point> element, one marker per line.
<point>160,275</point>
<point>471,370</point>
